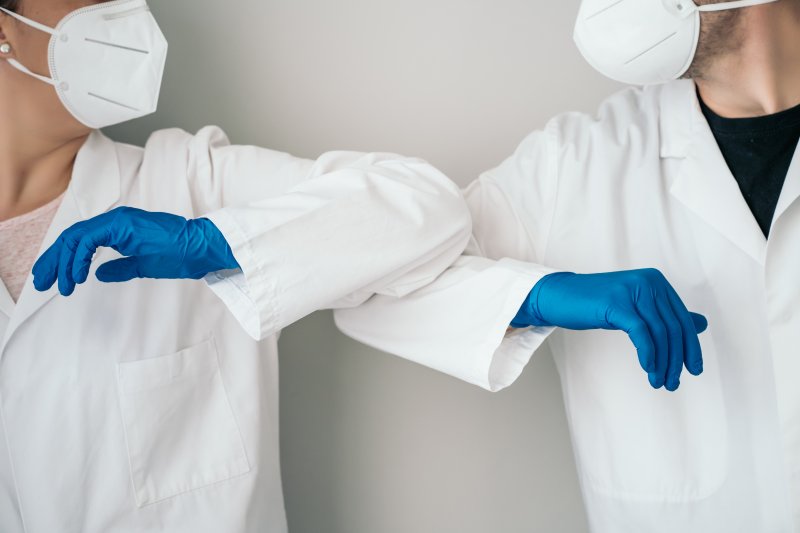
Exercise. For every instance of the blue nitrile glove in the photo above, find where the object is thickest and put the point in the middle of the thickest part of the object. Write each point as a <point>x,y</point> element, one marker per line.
<point>156,245</point>
<point>641,303</point>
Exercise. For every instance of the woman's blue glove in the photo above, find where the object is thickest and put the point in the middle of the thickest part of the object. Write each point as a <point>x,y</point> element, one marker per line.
<point>156,245</point>
<point>641,303</point>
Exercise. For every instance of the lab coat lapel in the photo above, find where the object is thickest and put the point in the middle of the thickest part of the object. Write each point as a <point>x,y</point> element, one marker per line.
<point>704,183</point>
<point>791,188</point>
<point>31,300</point>
<point>95,186</point>
<point>6,302</point>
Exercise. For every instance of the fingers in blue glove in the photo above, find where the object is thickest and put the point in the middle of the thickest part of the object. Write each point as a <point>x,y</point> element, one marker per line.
<point>693,325</point>
<point>635,326</point>
<point>56,263</point>
<point>84,253</point>
<point>45,270</point>
<point>66,285</point>
<point>647,309</point>
<point>700,322</point>
<point>119,270</point>
<point>672,376</point>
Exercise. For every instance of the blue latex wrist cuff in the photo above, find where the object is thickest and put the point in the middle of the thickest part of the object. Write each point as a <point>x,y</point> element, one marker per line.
<point>529,314</point>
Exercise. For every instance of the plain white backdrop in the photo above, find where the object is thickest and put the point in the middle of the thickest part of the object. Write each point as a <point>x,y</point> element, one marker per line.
<point>371,443</point>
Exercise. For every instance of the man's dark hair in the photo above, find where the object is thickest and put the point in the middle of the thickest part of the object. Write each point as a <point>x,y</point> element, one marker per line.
<point>719,35</point>
<point>11,5</point>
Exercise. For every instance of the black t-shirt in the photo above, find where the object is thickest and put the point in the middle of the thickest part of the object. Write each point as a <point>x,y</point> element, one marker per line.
<point>759,152</point>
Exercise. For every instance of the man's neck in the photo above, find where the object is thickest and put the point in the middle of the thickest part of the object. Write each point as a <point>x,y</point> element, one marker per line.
<point>763,76</point>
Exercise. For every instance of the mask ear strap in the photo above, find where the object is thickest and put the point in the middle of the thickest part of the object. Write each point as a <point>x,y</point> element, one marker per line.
<point>16,64</point>
<point>733,5</point>
<point>32,23</point>
<point>22,68</point>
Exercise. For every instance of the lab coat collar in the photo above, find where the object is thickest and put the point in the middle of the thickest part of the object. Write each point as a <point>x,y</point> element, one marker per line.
<point>96,176</point>
<point>705,184</point>
<point>94,187</point>
<point>677,102</point>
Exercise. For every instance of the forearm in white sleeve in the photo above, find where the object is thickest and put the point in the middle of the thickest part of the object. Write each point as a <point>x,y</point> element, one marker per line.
<point>457,324</point>
<point>357,225</point>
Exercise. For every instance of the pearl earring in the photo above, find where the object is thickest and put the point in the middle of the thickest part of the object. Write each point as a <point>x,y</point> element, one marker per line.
<point>5,48</point>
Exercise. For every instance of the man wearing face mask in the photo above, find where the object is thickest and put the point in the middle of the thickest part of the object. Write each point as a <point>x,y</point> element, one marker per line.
<point>152,405</point>
<point>681,195</point>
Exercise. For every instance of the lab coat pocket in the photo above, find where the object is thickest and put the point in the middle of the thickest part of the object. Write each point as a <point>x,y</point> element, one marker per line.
<point>180,428</point>
<point>640,444</point>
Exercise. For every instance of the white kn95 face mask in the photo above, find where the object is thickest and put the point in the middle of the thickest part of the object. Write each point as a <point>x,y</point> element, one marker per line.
<point>643,42</point>
<point>106,61</point>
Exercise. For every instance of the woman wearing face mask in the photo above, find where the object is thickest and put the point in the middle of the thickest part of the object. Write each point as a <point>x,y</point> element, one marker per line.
<point>151,405</point>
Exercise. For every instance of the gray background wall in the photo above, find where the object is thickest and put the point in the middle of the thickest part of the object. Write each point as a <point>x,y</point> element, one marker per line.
<point>371,443</point>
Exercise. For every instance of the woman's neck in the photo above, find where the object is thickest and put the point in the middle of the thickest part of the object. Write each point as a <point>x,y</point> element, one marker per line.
<point>34,170</point>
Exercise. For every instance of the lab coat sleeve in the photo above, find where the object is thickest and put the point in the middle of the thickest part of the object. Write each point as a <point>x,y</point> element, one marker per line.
<point>321,234</point>
<point>459,323</point>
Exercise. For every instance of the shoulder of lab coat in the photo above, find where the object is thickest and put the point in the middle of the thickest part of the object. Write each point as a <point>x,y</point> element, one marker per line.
<point>572,146</point>
<point>320,234</point>
<point>459,323</point>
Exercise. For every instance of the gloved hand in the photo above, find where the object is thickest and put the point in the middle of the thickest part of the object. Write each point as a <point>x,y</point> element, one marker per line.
<point>641,303</point>
<point>157,245</point>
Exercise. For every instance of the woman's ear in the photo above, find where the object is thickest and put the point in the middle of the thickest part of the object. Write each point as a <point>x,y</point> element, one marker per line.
<point>4,20</point>
<point>5,45</point>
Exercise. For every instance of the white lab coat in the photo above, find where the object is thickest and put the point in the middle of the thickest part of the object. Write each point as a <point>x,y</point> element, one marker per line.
<point>642,184</point>
<point>146,406</point>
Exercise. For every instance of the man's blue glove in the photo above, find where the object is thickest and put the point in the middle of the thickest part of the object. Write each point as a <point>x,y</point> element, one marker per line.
<point>641,303</point>
<point>156,245</point>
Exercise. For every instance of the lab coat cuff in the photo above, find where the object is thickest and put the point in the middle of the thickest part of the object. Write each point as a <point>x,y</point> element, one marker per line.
<point>248,293</point>
<point>512,349</point>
